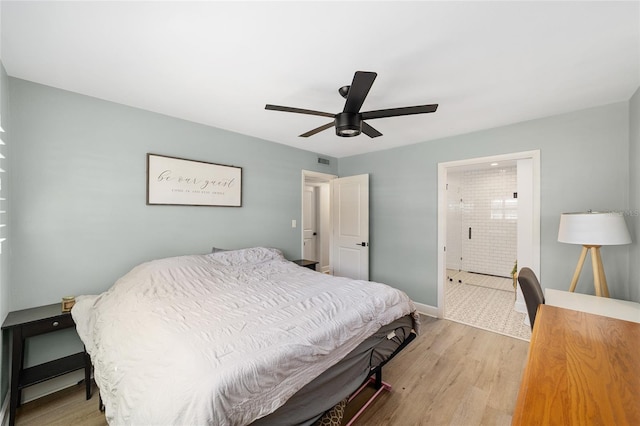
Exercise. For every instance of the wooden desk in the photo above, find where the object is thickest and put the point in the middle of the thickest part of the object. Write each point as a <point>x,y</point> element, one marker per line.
<point>582,369</point>
<point>614,308</point>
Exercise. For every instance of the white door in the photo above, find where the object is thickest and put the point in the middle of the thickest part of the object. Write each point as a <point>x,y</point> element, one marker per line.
<point>309,224</point>
<point>350,246</point>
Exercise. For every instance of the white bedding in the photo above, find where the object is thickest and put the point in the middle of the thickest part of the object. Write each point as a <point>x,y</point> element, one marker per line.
<point>223,338</point>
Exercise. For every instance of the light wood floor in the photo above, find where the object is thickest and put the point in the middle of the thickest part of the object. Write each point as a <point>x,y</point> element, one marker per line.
<point>452,374</point>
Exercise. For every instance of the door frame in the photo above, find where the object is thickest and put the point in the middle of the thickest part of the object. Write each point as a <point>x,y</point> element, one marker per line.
<point>442,211</point>
<point>310,201</point>
<point>306,177</point>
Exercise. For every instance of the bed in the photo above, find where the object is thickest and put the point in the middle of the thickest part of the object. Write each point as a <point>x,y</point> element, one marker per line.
<point>237,337</point>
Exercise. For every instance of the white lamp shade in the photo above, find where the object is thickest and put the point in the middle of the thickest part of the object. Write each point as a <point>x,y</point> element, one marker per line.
<point>593,229</point>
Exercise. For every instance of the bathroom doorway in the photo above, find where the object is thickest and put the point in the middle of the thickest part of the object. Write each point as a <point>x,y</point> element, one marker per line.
<point>482,218</point>
<point>488,217</point>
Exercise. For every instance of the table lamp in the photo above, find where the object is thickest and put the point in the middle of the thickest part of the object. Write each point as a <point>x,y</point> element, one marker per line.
<point>593,230</point>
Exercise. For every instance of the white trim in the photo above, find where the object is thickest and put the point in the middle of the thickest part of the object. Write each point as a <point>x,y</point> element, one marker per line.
<point>4,412</point>
<point>442,213</point>
<point>429,310</point>
<point>324,177</point>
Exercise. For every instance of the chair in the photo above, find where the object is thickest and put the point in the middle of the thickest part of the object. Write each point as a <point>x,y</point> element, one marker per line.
<point>532,292</point>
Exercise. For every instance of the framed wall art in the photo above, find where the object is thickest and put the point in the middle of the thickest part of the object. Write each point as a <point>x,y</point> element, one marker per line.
<point>182,182</point>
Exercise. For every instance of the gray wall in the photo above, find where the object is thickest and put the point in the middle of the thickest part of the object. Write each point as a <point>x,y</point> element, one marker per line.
<point>78,188</point>
<point>79,185</point>
<point>584,165</point>
<point>633,219</point>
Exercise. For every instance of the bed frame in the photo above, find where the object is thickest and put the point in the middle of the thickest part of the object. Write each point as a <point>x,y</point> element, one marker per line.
<point>359,369</point>
<point>376,380</point>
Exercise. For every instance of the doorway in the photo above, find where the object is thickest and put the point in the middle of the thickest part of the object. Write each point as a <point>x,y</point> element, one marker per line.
<point>455,232</point>
<point>316,219</point>
<point>482,216</point>
<point>335,221</point>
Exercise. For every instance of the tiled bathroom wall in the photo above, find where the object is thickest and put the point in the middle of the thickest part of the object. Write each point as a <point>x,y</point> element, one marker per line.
<point>489,210</point>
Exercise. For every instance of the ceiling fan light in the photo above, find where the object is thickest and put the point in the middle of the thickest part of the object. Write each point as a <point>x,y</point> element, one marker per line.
<point>348,125</point>
<point>347,133</point>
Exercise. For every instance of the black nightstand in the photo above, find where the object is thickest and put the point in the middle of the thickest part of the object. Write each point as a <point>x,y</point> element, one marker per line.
<point>32,322</point>
<point>311,264</point>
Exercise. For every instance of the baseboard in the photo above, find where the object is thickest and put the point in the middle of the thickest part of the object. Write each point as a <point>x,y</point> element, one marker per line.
<point>429,310</point>
<point>520,305</point>
<point>52,386</point>
<point>39,390</point>
<point>4,412</point>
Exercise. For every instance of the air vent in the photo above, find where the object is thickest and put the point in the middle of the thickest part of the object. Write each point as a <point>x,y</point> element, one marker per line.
<point>323,161</point>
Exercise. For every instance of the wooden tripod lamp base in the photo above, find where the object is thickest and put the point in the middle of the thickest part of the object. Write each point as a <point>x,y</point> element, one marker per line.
<point>599,279</point>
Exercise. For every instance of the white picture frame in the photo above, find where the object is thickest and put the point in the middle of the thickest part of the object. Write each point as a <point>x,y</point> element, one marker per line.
<point>181,182</point>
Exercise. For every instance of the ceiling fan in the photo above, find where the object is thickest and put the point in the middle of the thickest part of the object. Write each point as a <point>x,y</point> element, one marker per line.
<point>350,122</point>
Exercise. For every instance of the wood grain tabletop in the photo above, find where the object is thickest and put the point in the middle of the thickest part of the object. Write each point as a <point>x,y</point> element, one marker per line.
<point>582,369</point>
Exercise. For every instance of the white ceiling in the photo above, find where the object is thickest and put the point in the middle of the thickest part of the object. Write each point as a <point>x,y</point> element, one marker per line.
<point>486,64</point>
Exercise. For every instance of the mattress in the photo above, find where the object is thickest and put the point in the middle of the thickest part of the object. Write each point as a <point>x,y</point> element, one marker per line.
<point>225,338</point>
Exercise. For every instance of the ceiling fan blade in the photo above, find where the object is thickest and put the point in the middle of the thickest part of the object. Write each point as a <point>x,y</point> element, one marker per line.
<point>317,130</point>
<point>370,131</point>
<point>394,112</point>
<point>298,110</point>
<point>362,82</point>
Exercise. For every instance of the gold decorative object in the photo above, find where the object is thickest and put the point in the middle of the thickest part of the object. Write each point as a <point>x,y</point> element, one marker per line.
<point>67,303</point>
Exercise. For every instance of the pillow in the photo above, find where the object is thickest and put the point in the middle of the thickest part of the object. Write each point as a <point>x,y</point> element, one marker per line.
<point>247,256</point>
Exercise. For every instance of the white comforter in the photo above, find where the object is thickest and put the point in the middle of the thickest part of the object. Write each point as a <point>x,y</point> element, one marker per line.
<point>224,338</point>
